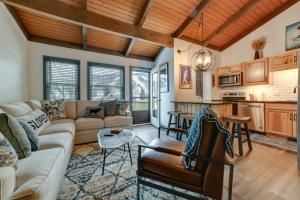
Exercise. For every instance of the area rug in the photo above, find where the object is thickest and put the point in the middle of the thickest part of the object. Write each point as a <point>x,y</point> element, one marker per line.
<point>279,143</point>
<point>83,179</point>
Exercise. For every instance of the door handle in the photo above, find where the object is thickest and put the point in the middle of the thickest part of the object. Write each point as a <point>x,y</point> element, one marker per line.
<point>295,58</point>
<point>295,117</point>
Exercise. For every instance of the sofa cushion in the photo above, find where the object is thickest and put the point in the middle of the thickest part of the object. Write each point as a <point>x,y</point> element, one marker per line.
<point>15,134</point>
<point>34,104</point>
<point>55,109</point>
<point>63,140</point>
<point>16,109</point>
<point>58,128</point>
<point>70,108</point>
<point>89,124</point>
<point>7,181</point>
<point>37,119</point>
<point>81,107</point>
<point>59,121</point>
<point>44,181</point>
<point>117,121</point>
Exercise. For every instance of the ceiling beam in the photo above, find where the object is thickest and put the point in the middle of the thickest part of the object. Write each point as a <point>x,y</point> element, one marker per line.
<point>200,43</point>
<point>84,17</point>
<point>60,43</point>
<point>250,4</point>
<point>141,21</point>
<point>146,9</point>
<point>198,10</point>
<point>260,23</point>
<point>130,46</point>
<point>13,12</point>
<point>84,37</point>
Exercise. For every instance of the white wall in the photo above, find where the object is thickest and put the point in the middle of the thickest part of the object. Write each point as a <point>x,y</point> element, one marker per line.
<point>38,50</point>
<point>185,58</point>
<point>166,97</point>
<point>13,59</point>
<point>274,31</point>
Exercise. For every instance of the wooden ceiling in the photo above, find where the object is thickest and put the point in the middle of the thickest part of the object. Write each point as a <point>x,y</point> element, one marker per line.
<point>141,28</point>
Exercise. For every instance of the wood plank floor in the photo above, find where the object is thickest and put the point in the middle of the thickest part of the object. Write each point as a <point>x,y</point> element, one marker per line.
<point>265,173</point>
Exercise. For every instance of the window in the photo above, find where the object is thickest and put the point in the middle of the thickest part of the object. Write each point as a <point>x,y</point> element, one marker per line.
<point>61,78</point>
<point>105,80</point>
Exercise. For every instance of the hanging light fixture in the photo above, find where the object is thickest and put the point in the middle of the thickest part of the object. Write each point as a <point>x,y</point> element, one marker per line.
<point>202,60</point>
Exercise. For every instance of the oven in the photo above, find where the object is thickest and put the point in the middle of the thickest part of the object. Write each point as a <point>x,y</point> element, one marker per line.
<point>230,79</point>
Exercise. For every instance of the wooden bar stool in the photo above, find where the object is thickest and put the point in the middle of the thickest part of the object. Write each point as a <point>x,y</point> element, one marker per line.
<point>176,114</point>
<point>187,120</point>
<point>236,122</point>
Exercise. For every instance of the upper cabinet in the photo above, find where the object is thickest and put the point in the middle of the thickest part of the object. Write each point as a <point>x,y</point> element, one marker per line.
<point>256,72</point>
<point>283,62</point>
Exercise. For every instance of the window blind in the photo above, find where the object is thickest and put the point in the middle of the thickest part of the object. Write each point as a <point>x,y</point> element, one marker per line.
<point>105,81</point>
<point>61,79</point>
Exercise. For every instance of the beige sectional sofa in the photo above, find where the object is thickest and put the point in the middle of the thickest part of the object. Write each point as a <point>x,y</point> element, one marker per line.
<point>40,175</point>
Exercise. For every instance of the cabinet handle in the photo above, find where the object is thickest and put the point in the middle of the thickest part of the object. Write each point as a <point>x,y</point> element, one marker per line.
<point>295,58</point>
<point>295,117</point>
<point>291,116</point>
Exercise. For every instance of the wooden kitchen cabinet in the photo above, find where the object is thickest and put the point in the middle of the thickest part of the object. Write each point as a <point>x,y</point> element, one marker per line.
<point>223,70</point>
<point>283,62</point>
<point>256,72</point>
<point>222,110</point>
<point>280,119</point>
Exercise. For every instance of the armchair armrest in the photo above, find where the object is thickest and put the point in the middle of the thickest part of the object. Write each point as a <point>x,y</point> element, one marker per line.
<point>7,182</point>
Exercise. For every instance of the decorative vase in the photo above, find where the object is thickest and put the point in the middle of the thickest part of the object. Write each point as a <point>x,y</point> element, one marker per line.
<point>256,55</point>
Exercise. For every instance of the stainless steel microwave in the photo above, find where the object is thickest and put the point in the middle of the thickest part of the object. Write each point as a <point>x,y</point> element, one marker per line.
<point>230,79</point>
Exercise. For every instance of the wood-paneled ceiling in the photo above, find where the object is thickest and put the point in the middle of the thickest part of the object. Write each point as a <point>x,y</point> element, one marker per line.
<point>141,28</point>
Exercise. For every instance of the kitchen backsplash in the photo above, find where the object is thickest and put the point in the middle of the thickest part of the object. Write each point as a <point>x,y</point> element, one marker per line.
<point>281,88</point>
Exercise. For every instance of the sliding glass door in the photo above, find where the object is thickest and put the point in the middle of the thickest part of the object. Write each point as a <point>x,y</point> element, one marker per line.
<point>155,105</point>
<point>140,95</point>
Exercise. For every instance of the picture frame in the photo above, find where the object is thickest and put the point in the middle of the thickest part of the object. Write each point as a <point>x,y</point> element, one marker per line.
<point>292,36</point>
<point>185,77</point>
<point>164,77</point>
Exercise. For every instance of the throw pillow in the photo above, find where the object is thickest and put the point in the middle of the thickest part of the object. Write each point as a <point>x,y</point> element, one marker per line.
<point>109,106</point>
<point>121,107</point>
<point>15,134</point>
<point>95,112</point>
<point>32,136</point>
<point>37,119</point>
<point>9,156</point>
<point>55,109</point>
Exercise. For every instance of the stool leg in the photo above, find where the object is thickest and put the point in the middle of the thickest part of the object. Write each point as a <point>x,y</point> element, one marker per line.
<point>248,136</point>
<point>232,133</point>
<point>184,125</point>
<point>178,121</point>
<point>169,124</point>
<point>240,139</point>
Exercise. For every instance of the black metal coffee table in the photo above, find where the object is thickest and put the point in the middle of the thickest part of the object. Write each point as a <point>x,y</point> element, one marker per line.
<point>107,140</point>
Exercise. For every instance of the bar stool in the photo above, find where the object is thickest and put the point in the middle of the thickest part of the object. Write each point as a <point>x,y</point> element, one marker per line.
<point>236,122</point>
<point>187,120</point>
<point>176,114</point>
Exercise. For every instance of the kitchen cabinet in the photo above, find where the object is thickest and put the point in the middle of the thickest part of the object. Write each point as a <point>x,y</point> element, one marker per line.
<point>222,110</point>
<point>256,72</point>
<point>283,62</point>
<point>281,119</point>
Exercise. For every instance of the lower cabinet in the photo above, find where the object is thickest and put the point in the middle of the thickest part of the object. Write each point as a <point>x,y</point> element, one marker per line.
<point>222,110</point>
<point>281,120</point>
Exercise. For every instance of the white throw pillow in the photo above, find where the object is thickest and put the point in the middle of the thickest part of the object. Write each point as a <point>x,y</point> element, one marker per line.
<point>16,109</point>
<point>37,119</point>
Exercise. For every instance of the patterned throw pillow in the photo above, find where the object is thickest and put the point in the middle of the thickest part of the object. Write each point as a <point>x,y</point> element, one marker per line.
<point>95,112</point>
<point>32,136</point>
<point>55,109</point>
<point>110,107</point>
<point>15,134</point>
<point>8,155</point>
<point>121,107</point>
<point>37,119</point>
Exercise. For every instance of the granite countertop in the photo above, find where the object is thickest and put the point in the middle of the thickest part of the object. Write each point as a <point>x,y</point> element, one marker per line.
<point>223,102</point>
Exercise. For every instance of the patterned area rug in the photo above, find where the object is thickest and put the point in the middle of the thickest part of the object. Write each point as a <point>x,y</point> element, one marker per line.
<point>275,142</point>
<point>83,179</point>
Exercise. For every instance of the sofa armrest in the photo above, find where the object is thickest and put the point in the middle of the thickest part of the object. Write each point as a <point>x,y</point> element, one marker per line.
<point>128,114</point>
<point>7,182</point>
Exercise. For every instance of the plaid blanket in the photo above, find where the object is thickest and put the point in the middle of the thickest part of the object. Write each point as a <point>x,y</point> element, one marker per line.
<point>195,133</point>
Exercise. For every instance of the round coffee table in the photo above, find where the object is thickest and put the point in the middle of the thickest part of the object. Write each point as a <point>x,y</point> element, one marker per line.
<point>107,140</point>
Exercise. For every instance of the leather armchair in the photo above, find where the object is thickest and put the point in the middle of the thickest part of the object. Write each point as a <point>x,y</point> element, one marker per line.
<point>162,161</point>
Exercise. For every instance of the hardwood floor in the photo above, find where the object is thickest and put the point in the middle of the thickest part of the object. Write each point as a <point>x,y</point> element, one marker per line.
<point>264,173</point>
